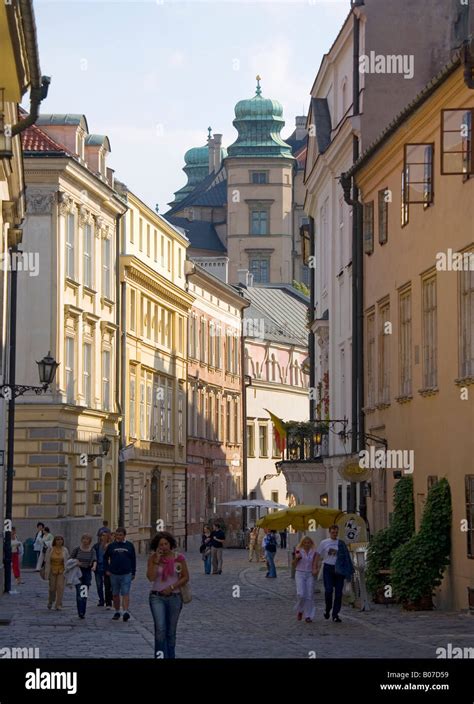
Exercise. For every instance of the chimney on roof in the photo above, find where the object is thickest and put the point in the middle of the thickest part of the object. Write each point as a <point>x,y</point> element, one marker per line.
<point>301,131</point>
<point>244,277</point>
<point>217,151</point>
<point>214,144</point>
<point>211,147</point>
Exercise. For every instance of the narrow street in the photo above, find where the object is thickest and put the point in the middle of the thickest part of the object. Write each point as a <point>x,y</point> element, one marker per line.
<point>239,614</point>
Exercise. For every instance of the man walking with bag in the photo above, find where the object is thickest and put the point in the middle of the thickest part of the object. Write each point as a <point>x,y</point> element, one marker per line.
<point>337,567</point>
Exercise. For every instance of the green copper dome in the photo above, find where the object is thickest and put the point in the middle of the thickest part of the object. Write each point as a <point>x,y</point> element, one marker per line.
<point>196,168</point>
<point>259,121</point>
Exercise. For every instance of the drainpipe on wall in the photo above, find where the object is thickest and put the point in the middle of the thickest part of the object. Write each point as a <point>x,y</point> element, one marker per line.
<point>357,361</point>
<point>39,84</point>
<point>311,336</point>
<point>244,418</point>
<point>120,370</point>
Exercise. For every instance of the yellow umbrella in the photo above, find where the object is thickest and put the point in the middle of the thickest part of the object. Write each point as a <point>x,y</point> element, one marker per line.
<point>300,517</point>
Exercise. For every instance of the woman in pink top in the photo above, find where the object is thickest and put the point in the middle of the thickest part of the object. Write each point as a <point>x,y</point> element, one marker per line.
<point>305,572</point>
<point>168,572</point>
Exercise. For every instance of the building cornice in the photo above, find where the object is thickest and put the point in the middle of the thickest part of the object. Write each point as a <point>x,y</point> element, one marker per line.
<point>133,270</point>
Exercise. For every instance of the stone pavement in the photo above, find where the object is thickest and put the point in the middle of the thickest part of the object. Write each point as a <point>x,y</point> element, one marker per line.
<point>239,614</point>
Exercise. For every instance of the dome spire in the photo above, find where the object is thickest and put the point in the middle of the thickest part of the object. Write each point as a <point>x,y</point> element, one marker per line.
<point>259,121</point>
<point>209,130</point>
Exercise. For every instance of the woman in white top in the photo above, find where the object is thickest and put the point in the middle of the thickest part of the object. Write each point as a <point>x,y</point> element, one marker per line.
<point>305,572</point>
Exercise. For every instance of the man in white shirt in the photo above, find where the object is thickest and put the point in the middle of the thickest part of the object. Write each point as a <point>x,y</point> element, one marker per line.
<point>327,552</point>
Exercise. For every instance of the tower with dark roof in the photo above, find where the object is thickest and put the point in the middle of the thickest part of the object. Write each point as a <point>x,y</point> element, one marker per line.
<point>246,203</point>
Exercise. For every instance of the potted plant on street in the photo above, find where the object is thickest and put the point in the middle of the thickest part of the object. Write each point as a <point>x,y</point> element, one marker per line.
<point>418,565</point>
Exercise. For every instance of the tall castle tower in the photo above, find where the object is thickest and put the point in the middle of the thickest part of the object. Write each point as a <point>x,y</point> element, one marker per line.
<point>259,170</point>
<point>242,207</point>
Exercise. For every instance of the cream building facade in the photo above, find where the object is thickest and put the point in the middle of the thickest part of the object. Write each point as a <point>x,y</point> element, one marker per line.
<point>19,71</point>
<point>155,307</point>
<point>68,306</point>
<point>416,186</point>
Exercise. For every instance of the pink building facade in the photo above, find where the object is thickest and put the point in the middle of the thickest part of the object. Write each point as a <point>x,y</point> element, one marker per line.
<point>215,414</point>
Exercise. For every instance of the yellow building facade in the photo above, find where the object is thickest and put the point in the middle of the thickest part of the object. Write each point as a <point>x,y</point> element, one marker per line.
<point>68,304</point>
<point>417,190</point>
<point>155,310</point>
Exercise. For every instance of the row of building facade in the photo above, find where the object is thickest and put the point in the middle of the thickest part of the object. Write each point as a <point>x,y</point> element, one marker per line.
<point>166,364</point>
<point>388,181</point>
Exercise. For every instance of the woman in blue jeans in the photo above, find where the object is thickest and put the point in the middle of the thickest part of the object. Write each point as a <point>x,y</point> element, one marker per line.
<point>87,560</point>
<point>168,572</point>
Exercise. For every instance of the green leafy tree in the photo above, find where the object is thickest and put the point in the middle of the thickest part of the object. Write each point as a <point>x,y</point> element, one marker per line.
<point>383,544</point>
<point>418,565</point>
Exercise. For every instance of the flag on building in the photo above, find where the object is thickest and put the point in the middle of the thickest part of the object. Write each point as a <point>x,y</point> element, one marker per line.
<point>127,453</point>
<point>279,428</point>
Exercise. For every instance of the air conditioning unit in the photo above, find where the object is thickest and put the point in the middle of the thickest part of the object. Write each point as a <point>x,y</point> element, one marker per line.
<point>97,497</point>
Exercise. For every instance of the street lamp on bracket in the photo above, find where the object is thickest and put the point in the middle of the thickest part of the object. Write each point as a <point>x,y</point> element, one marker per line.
<point>105,444</point>
<point>46,370</point>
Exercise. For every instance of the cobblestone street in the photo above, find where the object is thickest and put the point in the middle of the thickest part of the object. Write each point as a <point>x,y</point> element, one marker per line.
<point>255,620</point>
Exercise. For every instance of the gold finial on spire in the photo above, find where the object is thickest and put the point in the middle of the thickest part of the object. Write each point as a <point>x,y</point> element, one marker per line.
<point>259,90</point>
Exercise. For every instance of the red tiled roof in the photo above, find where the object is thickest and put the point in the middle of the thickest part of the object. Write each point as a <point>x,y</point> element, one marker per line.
<point>35,140</point>
<point>301,157</point>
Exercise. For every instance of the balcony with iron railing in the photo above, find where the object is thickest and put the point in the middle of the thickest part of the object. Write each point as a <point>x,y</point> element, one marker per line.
<point>306,441</point>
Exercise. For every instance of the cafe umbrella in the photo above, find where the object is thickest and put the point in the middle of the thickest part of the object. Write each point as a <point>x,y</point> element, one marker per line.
<point>301,517</point>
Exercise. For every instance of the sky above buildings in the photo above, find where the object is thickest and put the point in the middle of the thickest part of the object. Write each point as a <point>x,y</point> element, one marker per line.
<point>154,74</point>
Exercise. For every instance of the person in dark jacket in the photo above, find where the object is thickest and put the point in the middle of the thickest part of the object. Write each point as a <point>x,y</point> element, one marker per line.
<point>120,565</point>
<point>102,581</point>
<point>337,567</point>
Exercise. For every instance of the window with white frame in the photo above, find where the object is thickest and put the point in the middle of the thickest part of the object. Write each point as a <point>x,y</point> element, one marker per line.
<point>180,416</point>
<point>149,406</point>
<point>87,373</point>
<point>211,348</point>
<point>466,342</point>
<point>70,245</point>
<point>70,369</point>
<point>202,340</point>
<point>405,343</point>
<point>140,234</point>
<point>106,264</point>
<point>430,336</point>
<point>155,435</point>
<point>228,426</point>
<point>148,241</point>
<point>132,404</point>
<point>133,310</point>
<point>384,354</point>
<point>155,245</point>
<point>106,379</point>
<point>263,439</point>
<point>142,406</point>
<point>218,346</point>
<point>169,414</point>
<point>87,256</point>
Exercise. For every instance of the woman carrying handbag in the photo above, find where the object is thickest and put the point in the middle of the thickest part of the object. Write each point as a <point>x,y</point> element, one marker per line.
<point>169,575</point>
